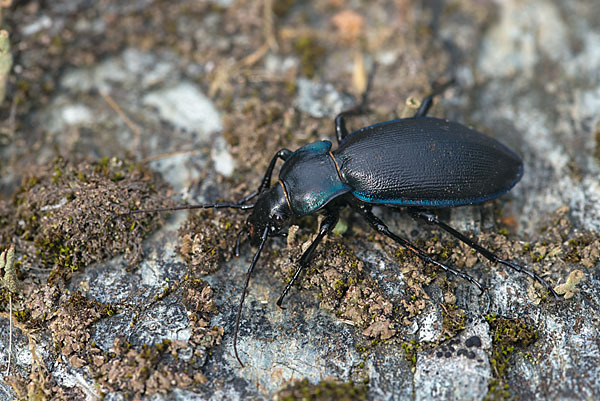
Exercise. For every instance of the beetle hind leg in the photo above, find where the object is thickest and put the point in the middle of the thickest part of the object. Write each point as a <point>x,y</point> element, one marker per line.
<point>432,219</point>
<point>381,227</point>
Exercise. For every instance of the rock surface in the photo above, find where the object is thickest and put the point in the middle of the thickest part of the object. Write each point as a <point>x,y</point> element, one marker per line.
<point>205,93</point>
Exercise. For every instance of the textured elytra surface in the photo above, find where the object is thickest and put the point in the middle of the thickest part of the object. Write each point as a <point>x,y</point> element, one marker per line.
<point>426,162</point>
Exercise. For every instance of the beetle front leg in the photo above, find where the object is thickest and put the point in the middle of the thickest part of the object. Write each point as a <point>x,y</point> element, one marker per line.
<point>428,101</point>
<point>432,219</point>
<point>283,154</point>
<point>340,124</point>
<point>380,227</point>
<point>331,219</point>
<point>424,107</point>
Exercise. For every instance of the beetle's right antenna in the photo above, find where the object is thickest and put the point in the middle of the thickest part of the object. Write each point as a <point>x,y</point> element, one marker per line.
<point>263,239</point>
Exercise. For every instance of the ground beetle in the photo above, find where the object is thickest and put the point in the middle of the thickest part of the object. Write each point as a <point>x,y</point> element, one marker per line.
<point>417,163</point>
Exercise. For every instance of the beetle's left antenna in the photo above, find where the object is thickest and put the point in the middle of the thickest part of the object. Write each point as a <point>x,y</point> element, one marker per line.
<point>263,239</point>
<point>245,206</point>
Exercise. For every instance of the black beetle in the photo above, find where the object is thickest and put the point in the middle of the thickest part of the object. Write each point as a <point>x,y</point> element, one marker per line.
<point>417,163</point>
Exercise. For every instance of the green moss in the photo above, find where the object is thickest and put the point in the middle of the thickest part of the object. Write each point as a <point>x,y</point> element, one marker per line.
<point>360,348</point>
<point>32,182</point>
<point>207,239</point>
<point>454,320</point>
<point>164,346</point>
<point>118,176</point>
<point>340,287</point>
<point>536,257</point>
<point>576,246</point>
<point>324,390</point>
<point>410,351</point>
<point>508,335</point>
<point>57,175</point>
<point>65,237</point>
<point>22,316</point>
<point>310,53</point>
<point>109,311</point>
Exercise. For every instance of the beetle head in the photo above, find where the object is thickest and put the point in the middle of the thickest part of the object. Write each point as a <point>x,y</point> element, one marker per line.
<point>271,210</point>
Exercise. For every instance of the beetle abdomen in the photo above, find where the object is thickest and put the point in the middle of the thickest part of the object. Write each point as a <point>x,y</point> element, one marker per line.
<point>426,162</point>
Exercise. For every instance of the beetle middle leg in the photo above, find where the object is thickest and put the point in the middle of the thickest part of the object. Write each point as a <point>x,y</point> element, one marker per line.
<point>332,215</point>
<point>432,219</point>
<point>381,227</point>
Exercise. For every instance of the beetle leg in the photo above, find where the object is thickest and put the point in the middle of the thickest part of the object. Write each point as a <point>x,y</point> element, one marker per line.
<point>428,101</point>
<point>380,226</point>
<point>283,154</point>
<point>331,219</point>
<point>340,124</point>
<point>340,127</point>
<point>424,107</point>
<point>432,219</point>
<point>238,241</point>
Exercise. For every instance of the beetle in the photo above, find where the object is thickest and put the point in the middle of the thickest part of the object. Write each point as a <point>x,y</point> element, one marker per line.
<point>417,163</point>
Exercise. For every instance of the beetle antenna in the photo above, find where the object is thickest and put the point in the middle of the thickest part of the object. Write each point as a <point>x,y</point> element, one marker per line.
<point>185,207</point>
<point>263,239</point>
<point>365,94</point>
<point>440,86</point>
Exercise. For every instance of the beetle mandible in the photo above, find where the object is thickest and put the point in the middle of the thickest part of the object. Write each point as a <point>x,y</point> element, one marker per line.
<point>417,163</point>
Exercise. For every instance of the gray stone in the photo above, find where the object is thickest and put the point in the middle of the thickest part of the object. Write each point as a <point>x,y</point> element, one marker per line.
<point>321,99</point>
<point>455,376</point>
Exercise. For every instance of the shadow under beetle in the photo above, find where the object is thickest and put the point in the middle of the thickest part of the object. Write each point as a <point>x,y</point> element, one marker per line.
<point>417,163</point>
